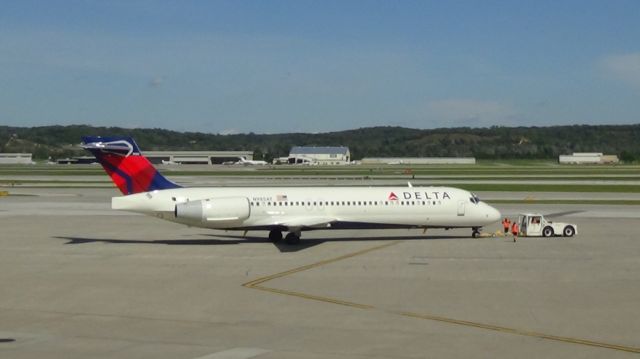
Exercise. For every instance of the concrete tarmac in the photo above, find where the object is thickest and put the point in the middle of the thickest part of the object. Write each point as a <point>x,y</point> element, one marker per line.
<point>79,280</point>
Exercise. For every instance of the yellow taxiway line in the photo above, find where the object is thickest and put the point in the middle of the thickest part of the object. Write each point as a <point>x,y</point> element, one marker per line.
<point>258,284</point>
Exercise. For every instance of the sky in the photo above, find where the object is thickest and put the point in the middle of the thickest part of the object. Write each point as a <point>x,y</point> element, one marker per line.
<point>318,66</point>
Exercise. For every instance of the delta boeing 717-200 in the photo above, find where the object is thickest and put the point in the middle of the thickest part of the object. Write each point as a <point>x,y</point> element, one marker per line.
<point>282,209</point>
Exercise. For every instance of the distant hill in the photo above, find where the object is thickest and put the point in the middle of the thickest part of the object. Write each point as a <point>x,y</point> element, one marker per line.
<point>483,143</point>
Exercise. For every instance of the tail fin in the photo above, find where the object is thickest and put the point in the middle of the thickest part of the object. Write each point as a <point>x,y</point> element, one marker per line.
<point>125,164</point>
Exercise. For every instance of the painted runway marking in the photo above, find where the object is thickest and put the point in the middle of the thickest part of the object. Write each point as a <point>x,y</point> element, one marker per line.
<point>236,353</point>
<point>519,332</point>
<point>258,284</point>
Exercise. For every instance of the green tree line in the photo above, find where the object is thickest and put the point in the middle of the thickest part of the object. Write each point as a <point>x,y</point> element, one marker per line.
<point>483,143</point>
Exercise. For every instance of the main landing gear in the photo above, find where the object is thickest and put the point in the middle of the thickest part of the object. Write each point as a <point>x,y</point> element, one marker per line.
<point>275,235</point>
<point>292,238</point>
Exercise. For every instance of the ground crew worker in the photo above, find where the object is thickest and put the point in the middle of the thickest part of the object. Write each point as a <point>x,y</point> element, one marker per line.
<point>514,231</point>
<point>506,223</point>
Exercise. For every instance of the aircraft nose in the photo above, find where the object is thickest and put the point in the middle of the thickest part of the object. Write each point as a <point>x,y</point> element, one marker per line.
<point>492,214</point>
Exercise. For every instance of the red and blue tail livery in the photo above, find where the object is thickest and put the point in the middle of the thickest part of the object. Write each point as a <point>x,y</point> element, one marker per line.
<point>130,171</point>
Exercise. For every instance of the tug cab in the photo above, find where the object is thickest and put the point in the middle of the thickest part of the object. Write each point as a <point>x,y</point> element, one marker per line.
<point>536,225</point>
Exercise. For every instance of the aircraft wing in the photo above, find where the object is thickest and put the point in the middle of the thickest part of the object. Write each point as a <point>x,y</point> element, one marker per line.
<point>302,222</point>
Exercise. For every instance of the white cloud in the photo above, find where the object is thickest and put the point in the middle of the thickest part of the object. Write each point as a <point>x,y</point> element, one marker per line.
<point>625,67</point>
<point>156,82</point>
<point>470,112</point>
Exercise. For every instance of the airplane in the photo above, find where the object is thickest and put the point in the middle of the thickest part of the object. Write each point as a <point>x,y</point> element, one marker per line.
<point>246,162</point>
<point>282,209</point>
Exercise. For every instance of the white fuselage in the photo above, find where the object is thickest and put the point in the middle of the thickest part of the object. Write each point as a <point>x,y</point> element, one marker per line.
<point>306,208</point>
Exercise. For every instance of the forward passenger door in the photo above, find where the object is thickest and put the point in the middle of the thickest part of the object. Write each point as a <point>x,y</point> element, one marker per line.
<point>461,205</point>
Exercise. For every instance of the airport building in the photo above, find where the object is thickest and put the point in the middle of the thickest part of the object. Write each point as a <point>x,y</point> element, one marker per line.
<point>16,158</point>
<point>78,160</point>
<point>176,157</point>
<point>196,157</point>
<point>419,160</point>
<point>319,155</point>
<point>588,158</point>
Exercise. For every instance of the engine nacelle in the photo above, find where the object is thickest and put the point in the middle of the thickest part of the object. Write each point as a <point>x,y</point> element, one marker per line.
<point>223,212</point>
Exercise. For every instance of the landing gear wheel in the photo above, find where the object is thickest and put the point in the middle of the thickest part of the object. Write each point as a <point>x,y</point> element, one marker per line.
<point>275,235</point>
<point>292,238</point>
<point>475,232</point>
<point>568,231</point>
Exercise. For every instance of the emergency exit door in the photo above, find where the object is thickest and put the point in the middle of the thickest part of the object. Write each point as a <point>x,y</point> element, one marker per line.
<point>461,208</point>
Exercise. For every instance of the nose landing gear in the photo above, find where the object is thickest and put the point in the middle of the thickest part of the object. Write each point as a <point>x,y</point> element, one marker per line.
<point>475,232</point>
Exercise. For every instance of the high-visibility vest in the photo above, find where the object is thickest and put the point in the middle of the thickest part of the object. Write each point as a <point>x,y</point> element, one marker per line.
<point>514,228</point>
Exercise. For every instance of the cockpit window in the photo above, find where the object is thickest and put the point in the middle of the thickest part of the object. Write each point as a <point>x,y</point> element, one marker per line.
<point>474,199</point>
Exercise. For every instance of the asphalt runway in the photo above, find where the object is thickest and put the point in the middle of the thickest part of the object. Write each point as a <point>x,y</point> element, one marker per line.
<point>79,280</point>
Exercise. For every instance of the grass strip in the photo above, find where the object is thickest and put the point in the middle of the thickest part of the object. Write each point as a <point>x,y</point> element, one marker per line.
<point>28,181</point>
<point>364,170</point>
<point>468,187</point>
